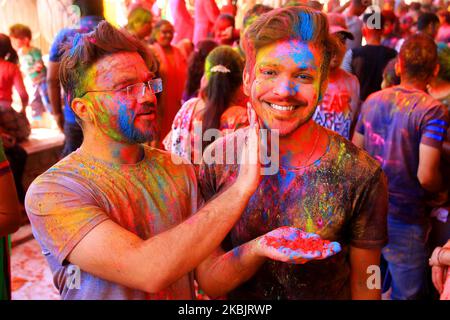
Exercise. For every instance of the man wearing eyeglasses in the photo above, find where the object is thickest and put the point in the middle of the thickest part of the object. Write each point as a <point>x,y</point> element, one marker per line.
<point>113,218</point>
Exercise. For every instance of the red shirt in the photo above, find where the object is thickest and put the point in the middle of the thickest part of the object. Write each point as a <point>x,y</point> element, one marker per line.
<point>10,76</point>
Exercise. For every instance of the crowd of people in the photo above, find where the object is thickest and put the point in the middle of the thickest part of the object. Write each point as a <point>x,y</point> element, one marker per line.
<point>160,191</point>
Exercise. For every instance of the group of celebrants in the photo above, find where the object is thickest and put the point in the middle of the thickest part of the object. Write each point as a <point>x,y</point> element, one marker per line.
<point>145,204</point>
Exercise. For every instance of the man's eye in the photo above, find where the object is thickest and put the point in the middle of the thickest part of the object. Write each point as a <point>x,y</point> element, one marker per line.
<point>268,72</point>
<point>305,77</point>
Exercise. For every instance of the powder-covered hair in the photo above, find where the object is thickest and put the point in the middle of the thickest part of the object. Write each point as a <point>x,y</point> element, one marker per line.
<point>418,56</point>
<point>86,49</point>
<point>291,23</point>
<point>253,13</point>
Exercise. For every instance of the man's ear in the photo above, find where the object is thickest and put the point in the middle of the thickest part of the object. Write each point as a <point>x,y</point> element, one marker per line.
<point>246,82</point>
<point>397,68</point>
<point>436,70</point>
<point>83,109</point>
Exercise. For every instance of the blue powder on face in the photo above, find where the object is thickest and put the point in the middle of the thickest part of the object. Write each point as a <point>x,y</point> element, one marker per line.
<point>293,88</point>
<point>126,124</point>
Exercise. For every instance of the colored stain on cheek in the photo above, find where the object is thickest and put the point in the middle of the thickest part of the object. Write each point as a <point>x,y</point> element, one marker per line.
<point>126,118</point>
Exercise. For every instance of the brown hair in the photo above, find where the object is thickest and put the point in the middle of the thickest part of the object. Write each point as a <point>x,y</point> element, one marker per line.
<point>86,49</point>
<point>20,31</point>
<point>291,23</point>
<point>7,52</point>
<point>418,56</point>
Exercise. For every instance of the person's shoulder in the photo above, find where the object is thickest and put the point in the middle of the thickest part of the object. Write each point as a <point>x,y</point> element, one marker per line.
<point>360,162</point>
<point>381,95</point>
<point>65,172</point>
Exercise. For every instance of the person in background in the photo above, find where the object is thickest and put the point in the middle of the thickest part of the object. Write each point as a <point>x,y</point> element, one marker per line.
<point>249,17</point>
<point>390,77</point>
<point>224,30</point>
<point>214,108</point>
<point>443,34</point>
<point>428,23</point>
<point>338,27</point>
<point>183,23</point>
<point>439,87</point>
<point>440,263</point>
<point>390,29</point>
<point>91,15</point>
<point>173,72</point>
<point>368,62</point>
<point>229,8</point>
<point>9,220</point>
<point>33,67</point>
<point>140,22</point>
<point>354,23</point>
<point>407,26</point>
<point>205,15</point>
<point>339,108</point>
<point>14,126</point>
<point>196,68</point>
<point>14,123</point>
<point>404,129</point>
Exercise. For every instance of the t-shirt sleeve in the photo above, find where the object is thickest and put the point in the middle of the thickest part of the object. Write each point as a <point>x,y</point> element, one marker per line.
<point>369,222</point>
<point>62,211</point>
<point>434,126</point>
<point>56,51</point>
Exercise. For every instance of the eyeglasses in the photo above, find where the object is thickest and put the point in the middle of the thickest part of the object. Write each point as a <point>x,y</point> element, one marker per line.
<point>137,90</point>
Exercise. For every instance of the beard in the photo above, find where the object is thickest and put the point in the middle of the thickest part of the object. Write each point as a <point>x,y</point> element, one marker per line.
<point>133,134</point>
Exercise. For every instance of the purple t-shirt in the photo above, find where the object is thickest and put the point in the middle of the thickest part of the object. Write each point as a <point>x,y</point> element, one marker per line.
<point>394,123</point>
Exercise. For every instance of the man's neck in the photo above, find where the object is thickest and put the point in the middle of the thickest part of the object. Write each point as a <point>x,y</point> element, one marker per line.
<point>414,84</point>
<point>373,41</point>
<point>304,146</point>
<point>104,148</point>
<point>25,49</point>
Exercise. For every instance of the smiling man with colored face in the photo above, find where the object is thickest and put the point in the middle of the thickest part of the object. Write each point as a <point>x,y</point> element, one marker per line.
<point>325,185</point>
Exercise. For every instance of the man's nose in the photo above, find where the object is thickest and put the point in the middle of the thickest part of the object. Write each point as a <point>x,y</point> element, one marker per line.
<point>285,87</point>
<point>147,95</point>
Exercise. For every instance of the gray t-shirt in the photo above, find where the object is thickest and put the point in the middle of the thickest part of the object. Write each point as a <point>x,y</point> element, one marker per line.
<point>79,192</point>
